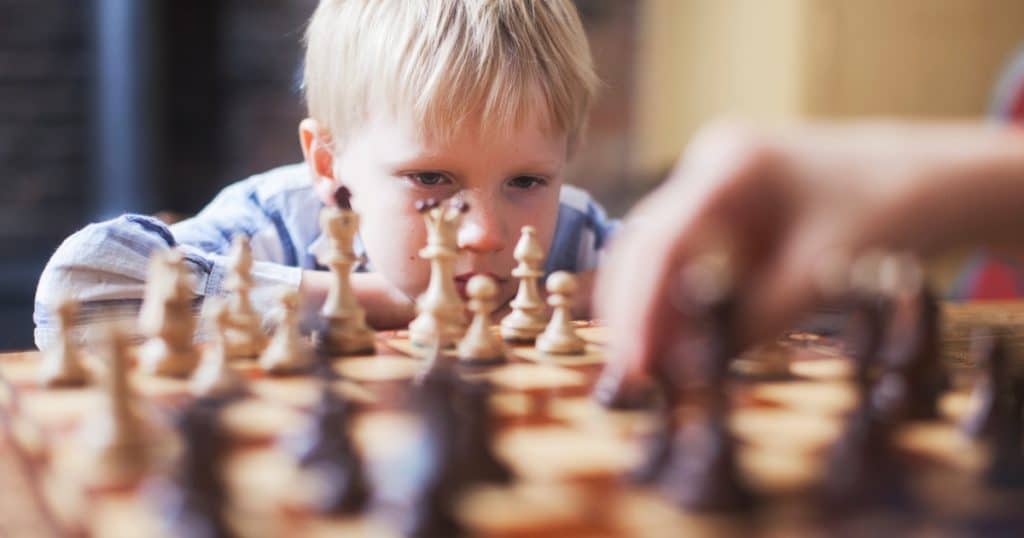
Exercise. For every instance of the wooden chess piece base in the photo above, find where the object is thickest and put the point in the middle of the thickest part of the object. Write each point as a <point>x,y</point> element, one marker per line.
<point>339,337</point>
<point>521,328</point>
<point>242,343</point>
<point>157,358</point>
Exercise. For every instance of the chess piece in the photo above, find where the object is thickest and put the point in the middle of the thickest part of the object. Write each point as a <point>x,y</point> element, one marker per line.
<point>528,317</point>
<point>193,501</point>
<point>343,330</point>
<point>243,335</point>
<point>287,352</point>
<point>166,318</point>
<point>214,377</point>
<point>441,312</point>
<point>481,345</point>
<point>559,337</point>
<point>862,468</point>
<point>118,436</point>
<point>62,364</point>
<point>1006,467</point>
<point>704,476</point>
<point>914,377</point>
<point>475,434</point>
<point>992,395</point>
<point>662,446</point>
<point>327,454</point>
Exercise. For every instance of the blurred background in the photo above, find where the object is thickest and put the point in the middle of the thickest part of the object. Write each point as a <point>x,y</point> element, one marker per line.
<point>150,106</point>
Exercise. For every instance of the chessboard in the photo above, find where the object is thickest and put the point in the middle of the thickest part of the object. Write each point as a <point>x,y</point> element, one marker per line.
<point>571,458</point>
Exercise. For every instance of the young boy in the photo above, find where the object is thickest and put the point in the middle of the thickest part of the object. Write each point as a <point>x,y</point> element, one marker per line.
<point>408,99</point>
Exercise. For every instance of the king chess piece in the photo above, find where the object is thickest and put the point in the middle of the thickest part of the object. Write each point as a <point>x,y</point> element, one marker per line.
<point>166,318</point>
<point>62,364</point>
<point>243,335</point>
<point>528,317</point>
<point>343,328</point>
<point>441,312</point>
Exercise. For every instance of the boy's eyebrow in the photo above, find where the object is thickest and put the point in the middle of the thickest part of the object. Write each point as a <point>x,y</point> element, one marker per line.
<point>439,162</point>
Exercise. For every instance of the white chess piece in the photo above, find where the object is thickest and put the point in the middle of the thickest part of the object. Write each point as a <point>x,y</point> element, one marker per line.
<point>244,336</point>
<point>344,330</point>
<point>119,438</point>
<point>559,337</point>
<point>441,312</point>
<point>481,345</point>
<point>214,377</point>
<point>167,320</point>
<point>528,316</point>
<point>288,351</point>
<point>62,364</point>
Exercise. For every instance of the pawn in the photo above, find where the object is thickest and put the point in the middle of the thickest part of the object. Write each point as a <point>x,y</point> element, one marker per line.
<point>214,377</point>
<point>287,352</point>
<point>243,334</point>
<point>559,337</point>
<point>62,363</point>
<point>481,345</point>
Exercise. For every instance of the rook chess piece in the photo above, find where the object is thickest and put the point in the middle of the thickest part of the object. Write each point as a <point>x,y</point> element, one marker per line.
<point>559,337</point>
<point>62,362</point>
<point>528,316</point>
<point>441,312</point>
<point>344,330</point>
<point>481,345</point>
<point>166,318</point>
<point>214,377</point>
<point>288,352</point>
<point>243,335</point>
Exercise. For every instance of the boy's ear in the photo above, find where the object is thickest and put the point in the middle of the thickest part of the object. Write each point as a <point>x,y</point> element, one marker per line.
<point>316,150</point>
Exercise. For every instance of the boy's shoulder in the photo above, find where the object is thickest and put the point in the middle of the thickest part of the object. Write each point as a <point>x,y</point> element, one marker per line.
<point>283,181</point>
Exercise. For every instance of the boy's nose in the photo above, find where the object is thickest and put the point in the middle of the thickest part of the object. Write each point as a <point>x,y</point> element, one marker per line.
<point>482,229</point>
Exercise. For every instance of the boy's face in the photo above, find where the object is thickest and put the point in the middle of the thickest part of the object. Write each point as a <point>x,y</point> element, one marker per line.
<point>508,181</point>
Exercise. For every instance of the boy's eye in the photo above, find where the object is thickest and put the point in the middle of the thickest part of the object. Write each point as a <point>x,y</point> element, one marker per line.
<point>526,182</point>
<point>429,179</point>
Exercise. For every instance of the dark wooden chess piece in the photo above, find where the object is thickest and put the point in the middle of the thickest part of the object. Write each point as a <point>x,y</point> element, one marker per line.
<point>704,476</point>
<point>193,501</point>
<point>992,392</point>
<point>862,469</point>
<point>475,435</point>
<point>327,451</point>
<point>914,377</point>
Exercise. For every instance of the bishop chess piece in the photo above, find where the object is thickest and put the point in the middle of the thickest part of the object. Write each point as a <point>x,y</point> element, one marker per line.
<point>194,501</point>
<point>343,329</point>
<point>288,352</point>
<point>528,317</point>
<point>243,334</point>
<point>481,345</point>
<point>118,436</point>
<point>559,337</point>
<point>441,312</point>
<point>213,377</point>
<point>327,454</point>
<point>166,318</point>
<point>62,364</point>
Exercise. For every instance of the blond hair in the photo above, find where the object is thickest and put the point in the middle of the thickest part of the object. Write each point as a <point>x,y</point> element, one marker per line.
<point>446,61</point>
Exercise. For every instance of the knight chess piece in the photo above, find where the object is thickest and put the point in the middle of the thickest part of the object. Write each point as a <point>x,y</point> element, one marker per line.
<point>441,312</point>
<point>481,345</point>
<point>288,352</point>
<point>528,317</point>
<point>166,318</point>
<point>62,364</point>
<point>244,336</point>
<point>559,337</point>
<point>214,377</point>
<point>343,328</point>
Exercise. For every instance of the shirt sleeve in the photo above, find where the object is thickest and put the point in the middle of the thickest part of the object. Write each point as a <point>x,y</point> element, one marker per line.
<point>582,233</point>
<point>103,266</point>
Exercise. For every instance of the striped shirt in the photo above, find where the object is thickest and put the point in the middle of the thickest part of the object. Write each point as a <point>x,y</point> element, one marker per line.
<point>103,266</point>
